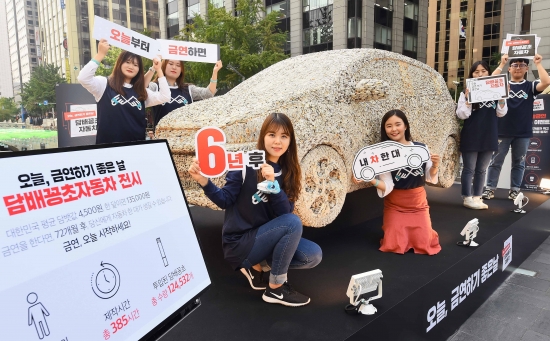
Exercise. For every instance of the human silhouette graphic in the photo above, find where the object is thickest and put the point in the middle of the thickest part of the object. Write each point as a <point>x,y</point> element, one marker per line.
<point>37,315</point>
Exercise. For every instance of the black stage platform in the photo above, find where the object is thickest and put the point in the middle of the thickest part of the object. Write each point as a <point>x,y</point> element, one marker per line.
<point>412,284</point>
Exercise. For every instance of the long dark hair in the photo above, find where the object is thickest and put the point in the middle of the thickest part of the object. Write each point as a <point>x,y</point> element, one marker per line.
<point>473,69</point>
<point>401,115</point>
<point>290,166</point>
<point>180,80</point>
<point>116,79</point>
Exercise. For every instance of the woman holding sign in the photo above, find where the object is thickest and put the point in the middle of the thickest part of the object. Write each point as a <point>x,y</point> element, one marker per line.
<point>122,97</point>
<point>259,225</point>
<point>181,92</point>
<point>478,139</point>
<point>406,223</point>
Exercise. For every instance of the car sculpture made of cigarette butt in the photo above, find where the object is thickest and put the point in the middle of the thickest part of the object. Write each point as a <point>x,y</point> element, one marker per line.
<point>335,100</point>
<point>400,156</point>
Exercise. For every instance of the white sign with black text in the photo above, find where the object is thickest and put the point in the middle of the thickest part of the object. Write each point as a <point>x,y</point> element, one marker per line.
<point>389,156</point>
<point>487,89</point>
<point>125,38</point>
<point>95,244</point>
<point>189,51</point>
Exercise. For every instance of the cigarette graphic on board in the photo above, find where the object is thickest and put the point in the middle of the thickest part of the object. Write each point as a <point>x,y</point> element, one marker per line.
<point>162,254</point>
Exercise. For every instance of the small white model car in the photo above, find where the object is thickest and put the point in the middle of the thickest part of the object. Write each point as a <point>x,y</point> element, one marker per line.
<point>386,157</point>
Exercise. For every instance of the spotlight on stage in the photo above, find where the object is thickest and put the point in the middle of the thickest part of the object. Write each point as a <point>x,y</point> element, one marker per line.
<point>518,201</point>
<point>361,284</point>
<point>470,232</point>
<point>545,186</point>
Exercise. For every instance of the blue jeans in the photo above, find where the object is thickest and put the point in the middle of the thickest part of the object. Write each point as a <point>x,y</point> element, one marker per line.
<point>280,240</point>
<point>475,165</point>
<point>519,150</point>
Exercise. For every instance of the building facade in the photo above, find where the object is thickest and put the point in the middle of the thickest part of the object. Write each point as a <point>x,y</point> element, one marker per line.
<point>451,54</point>
<point>530,17</point>
<point>22,24</point>
<point>68,28</point>
<point>6,82</point>
<point>318,25</point>
<point>486,24</point>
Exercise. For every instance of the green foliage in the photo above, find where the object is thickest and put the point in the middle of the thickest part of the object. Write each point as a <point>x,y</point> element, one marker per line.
<point>40,88</point>
<point>8,109</point>
<point>250,42</point>
<point>108,62</point>
<point>494,62</point>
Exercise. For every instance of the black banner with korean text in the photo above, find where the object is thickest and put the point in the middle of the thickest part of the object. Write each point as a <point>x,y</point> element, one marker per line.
<point>537,165</point>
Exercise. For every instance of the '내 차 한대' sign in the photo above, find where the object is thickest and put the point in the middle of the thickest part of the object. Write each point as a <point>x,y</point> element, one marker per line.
<point>386,157</point>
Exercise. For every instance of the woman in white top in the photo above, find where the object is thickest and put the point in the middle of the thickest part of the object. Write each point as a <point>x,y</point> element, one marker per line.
<point>122,97</point>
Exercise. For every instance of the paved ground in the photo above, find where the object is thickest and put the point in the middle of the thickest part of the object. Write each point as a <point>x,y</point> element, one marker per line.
<point>519,310</point>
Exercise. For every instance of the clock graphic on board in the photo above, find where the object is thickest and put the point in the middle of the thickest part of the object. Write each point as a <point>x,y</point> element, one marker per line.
<point>106,281</point>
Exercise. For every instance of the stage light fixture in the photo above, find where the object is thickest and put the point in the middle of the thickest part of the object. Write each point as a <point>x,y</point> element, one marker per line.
<point>518,201</point>
<point>361,284</point>
<point>469,232</point>
<point>545,184</point>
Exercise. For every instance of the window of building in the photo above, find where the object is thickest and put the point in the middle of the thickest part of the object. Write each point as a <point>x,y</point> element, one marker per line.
<point>310,5</point>
<point>317,27</point>
<point>30,22</point>
<point>525,16</point>
<point>193,9</point>
<point>280,7</point>
<point>33,60</point>
<point>491,31</point>
<point>172,7</point>
<point>354,23</point>
<point>382,37</point>
<point>492,8</point>
<point>217,3</point>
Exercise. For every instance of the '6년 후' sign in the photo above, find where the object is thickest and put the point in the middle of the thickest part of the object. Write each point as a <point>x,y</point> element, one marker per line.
<point>214,160</point>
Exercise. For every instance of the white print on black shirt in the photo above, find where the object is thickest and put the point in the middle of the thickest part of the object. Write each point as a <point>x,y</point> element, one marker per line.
<point>178,99</point>
<point>119,99</point>
<point>490,104</point>
<point>259,197</point>
<point>404,173</point>
<point>519,94</point>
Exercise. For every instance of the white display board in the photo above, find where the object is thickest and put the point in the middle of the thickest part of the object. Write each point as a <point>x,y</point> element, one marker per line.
<point>96,243</point>
<point>189,51</point>
<point>388,156</point>
<point>83,118</point>
<point>486,89</point>
<point>125,38</point>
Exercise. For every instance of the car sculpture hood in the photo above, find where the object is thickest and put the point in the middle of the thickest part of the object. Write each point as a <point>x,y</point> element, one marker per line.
<point>335,100</point>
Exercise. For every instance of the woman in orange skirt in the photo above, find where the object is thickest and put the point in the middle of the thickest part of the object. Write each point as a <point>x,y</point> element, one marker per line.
<point>407,223</point>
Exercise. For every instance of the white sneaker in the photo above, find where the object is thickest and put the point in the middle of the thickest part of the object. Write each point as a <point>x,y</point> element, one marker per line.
<point>475,203</point>
<point>480,204</point>
<point>469,202</point>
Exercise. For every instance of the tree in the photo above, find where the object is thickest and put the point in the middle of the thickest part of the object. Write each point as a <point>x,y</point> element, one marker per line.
<point>40,88</point>
<point>8,109</point>
<point>494,62</point>
<point>249,42</point>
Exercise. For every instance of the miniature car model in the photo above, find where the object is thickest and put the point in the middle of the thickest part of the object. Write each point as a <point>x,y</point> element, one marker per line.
<point>335,100</point>
<point>400,156</point>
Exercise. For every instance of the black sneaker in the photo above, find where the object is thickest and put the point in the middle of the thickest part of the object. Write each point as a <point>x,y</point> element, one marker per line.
<point>513,194</point>
<point>285,295</point>
<point>488,194</point>
<point>255,278</point>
